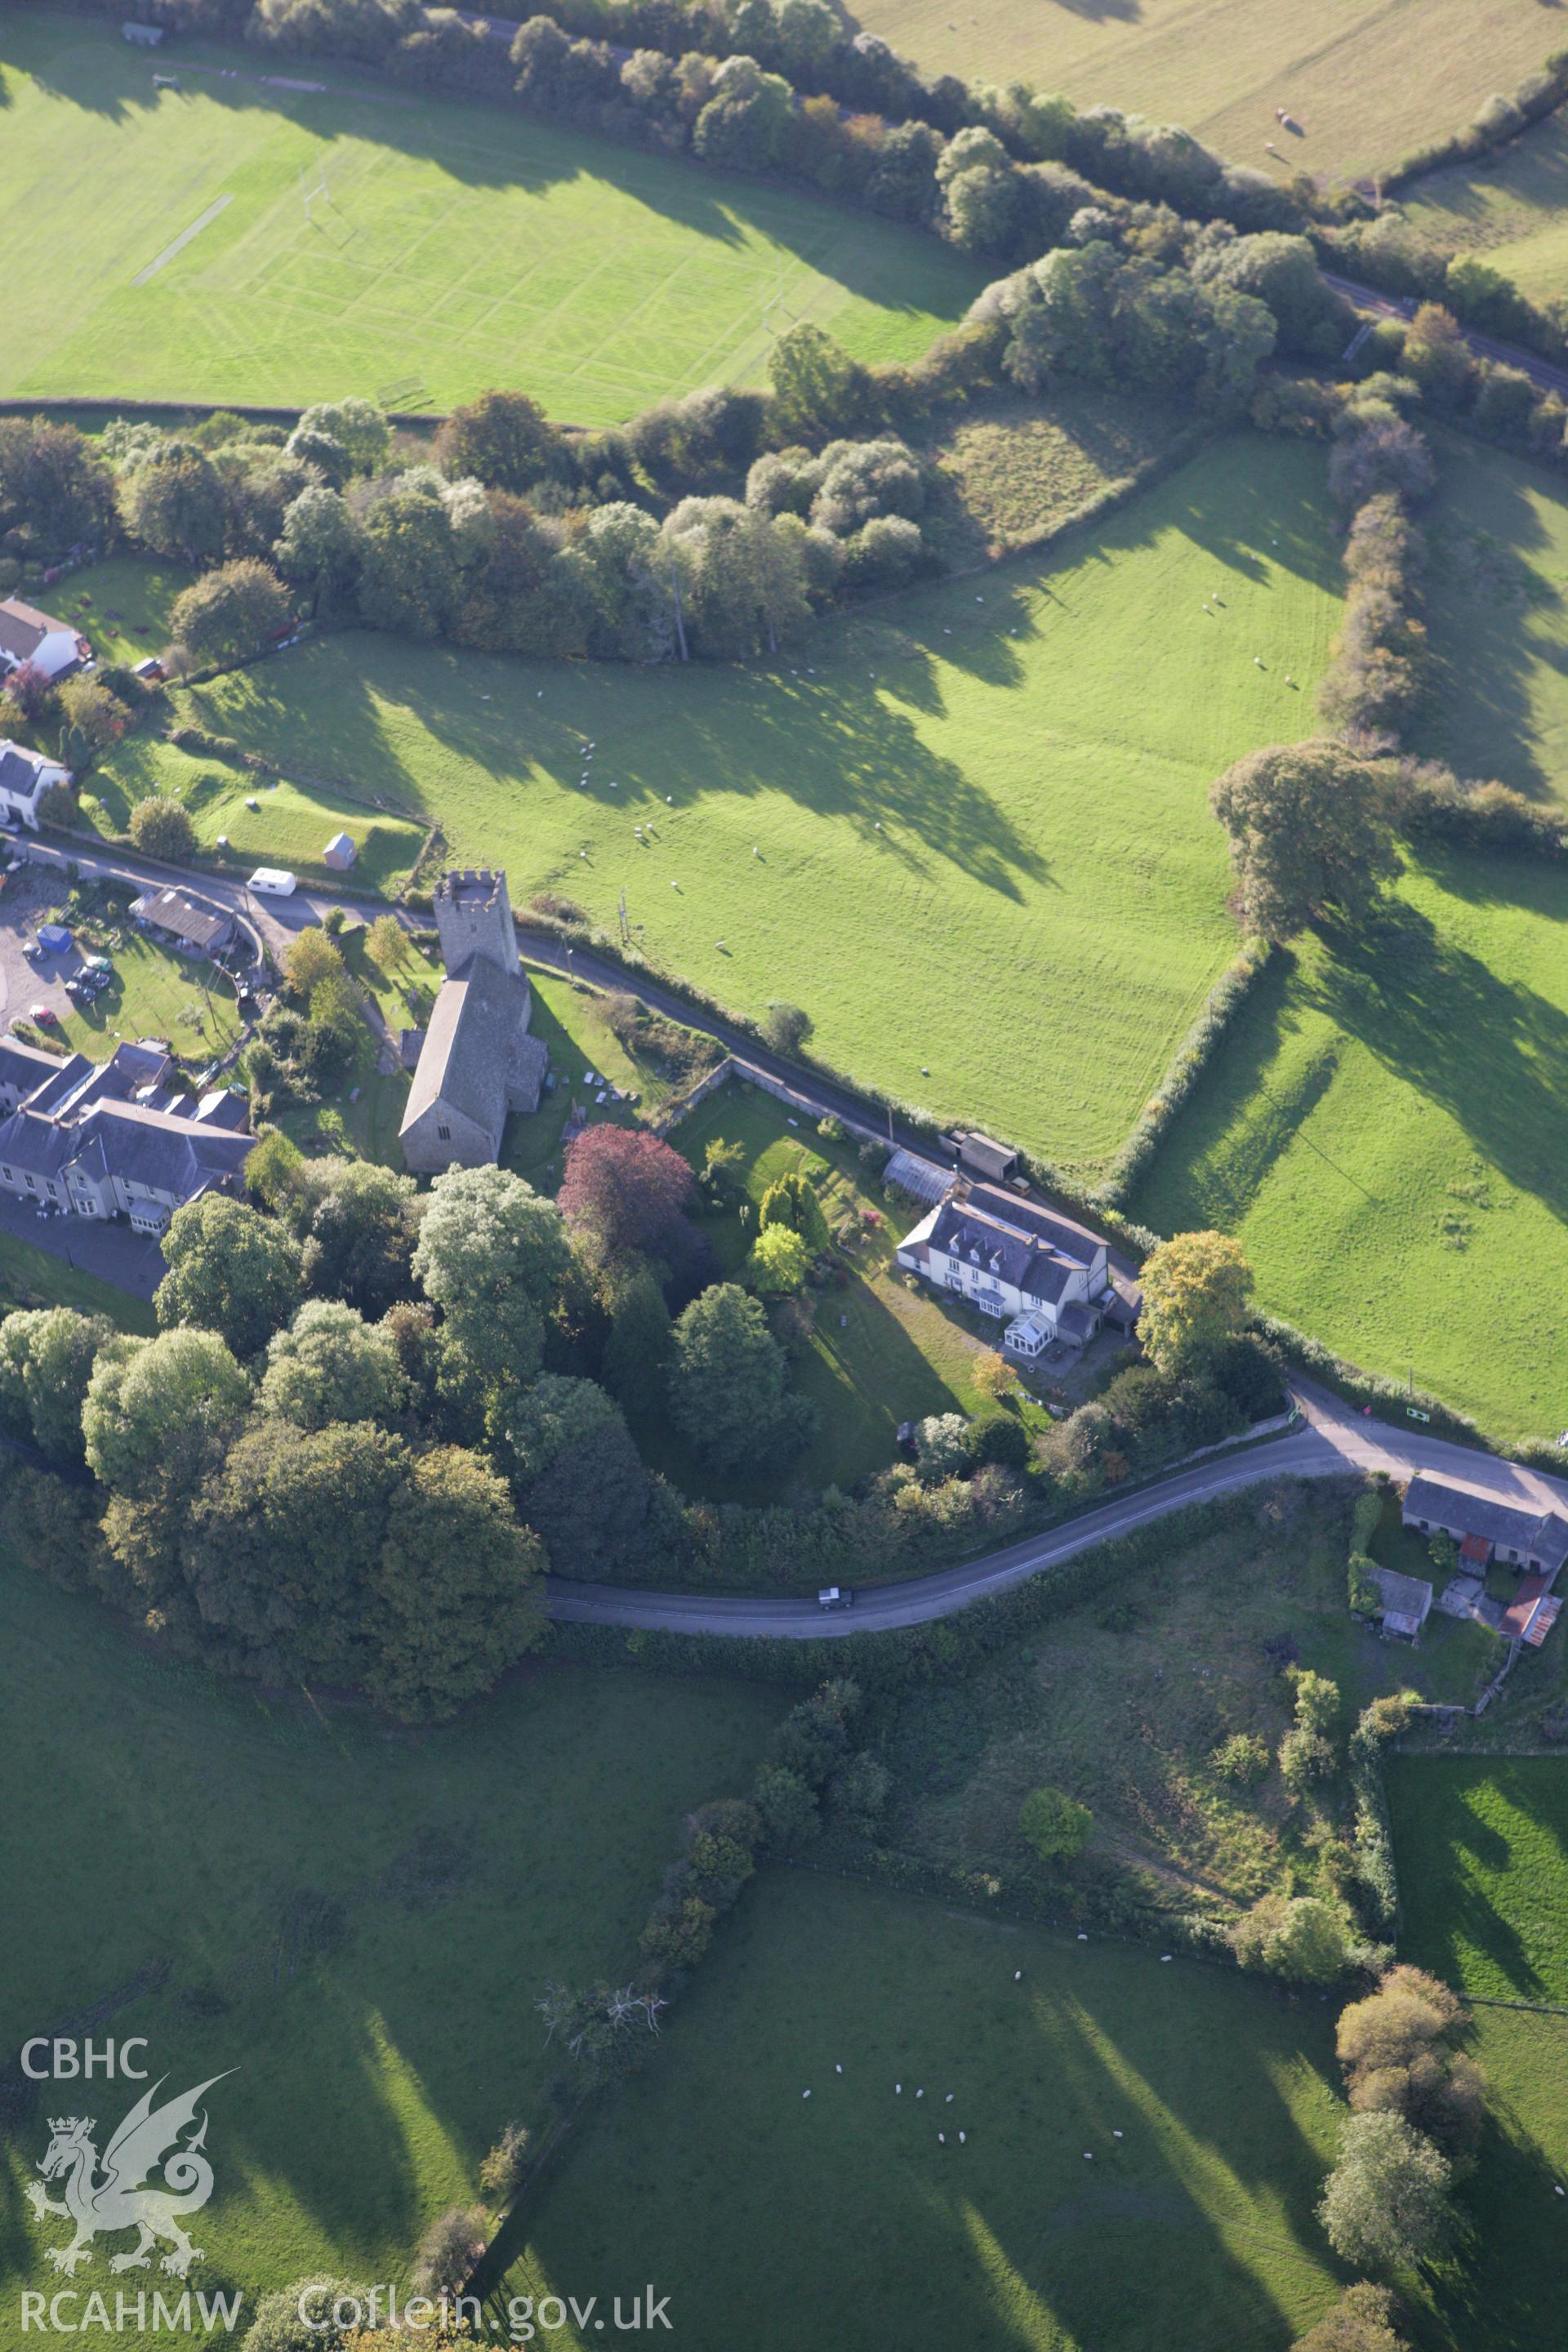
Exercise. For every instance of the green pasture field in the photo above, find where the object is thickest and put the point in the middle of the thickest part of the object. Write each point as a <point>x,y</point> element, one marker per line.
<point>356,1919</point>
<point>1124,1700</point>
<point>455,246</point>
<point>1509,208</point>
<point>1382,1134</point>
<point>967,830</point>
<point>1496,581</point>
<point>775,2221</point>
<point>1482,1845</point>
<point>1367,80</point>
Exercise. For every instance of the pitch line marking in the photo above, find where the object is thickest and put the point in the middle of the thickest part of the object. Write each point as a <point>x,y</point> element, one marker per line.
<point>181,242</point>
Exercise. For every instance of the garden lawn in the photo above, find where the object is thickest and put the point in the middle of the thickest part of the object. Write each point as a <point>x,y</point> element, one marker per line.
<point>31,1277</point>
<point>967,831</point>
<point>1511,210</point>
<point>154,993</point>
<point>356,1919</point>
<point>1496,580</point>
<point>1366,80</point>
<point>454,246</point>
<point>773,2220</point>
<point>880,1350</point>
<point>1482,1847</point>
<point>1383,1134</point>
<point>120,605</point>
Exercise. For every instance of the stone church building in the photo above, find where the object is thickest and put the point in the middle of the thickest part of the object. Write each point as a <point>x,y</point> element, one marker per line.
<point>477,1060</point>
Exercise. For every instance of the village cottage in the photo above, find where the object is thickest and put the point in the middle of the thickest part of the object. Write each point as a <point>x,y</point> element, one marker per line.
<point>28,635</point>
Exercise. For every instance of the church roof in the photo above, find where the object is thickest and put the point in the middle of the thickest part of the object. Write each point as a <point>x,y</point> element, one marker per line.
<point>467,1055</point>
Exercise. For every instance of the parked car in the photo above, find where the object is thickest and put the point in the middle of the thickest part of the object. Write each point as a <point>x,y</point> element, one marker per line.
<point>44,1016</point>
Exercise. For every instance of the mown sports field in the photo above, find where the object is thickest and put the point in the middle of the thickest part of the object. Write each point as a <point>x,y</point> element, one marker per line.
<point>357,1920</point>
<point>1382,1132</point>
<point>1366,79</point>
<point>967,831</point>
<point>450,246</point>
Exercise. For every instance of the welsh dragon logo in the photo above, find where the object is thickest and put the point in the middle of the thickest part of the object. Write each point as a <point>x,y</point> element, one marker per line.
<point>105,2194</point>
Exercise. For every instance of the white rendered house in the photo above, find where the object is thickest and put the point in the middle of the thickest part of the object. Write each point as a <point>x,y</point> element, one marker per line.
<point>1048,1278</point>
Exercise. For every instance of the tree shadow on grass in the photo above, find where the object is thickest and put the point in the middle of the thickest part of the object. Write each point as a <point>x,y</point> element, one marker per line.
<point>832,744</point>
<point>1493,1056</point>
<point>1492,618</point>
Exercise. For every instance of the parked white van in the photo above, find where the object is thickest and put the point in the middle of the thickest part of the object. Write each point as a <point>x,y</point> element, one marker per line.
<point>273,882</point>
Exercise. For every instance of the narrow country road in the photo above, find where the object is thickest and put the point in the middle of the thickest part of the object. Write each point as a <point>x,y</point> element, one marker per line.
<point>1332,1440</point>
<point>1546,372</point>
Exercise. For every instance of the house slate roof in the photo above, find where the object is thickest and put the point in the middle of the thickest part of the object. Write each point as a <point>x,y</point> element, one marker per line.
<point>1538,1535</point>
<point>20,771</point>
<point>22,628</point>
<point>25,1066</point>
<point>116,1119</point>
<point>1028,1247</point>
<point>468,1049</point>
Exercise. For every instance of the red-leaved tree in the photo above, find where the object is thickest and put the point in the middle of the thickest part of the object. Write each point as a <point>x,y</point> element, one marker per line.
<point>624,1189</point>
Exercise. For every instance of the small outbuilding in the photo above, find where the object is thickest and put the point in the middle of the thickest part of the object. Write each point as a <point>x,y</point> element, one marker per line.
<point>982,1156</point>
<point>1407,1601</point>
<point>339,851</point>
<point>200,930</point>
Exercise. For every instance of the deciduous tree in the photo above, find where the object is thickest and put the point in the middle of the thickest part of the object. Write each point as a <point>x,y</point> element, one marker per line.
<point>1386,2201</point>
<point>1055,1824</point>
<point>158,1411</point>
<point>1309,836</point>
<point>729,1382</point>
<point>231,612</point>
<point>1195,1292</point>
<point>624,1189</point>
<point>492,1256</point>
<point>231,1270</point>
<point>161,828</point>
<point>331,1365</point>
<point>455,1597</point>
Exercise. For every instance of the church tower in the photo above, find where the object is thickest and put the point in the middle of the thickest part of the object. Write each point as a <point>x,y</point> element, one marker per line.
<point>473,917</point>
